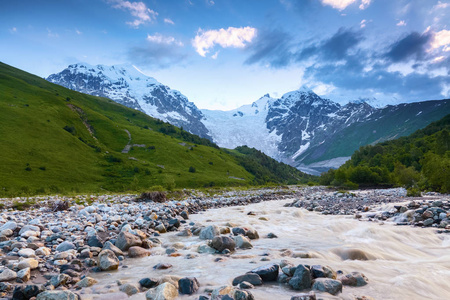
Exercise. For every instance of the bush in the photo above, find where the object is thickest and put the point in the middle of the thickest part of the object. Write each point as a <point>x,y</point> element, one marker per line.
<point>192,169</point>
<point>112,159</point>
<point>70,129</point>
<point>413,192</point>
<point>159,197</point>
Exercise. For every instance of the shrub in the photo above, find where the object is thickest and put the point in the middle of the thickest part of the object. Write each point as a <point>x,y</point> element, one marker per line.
<point>159,197</point>
<point>192,169</point>
<point>70,129</point>
<point>28,168</point>
<point>43,168</point>
<point>413,192</point>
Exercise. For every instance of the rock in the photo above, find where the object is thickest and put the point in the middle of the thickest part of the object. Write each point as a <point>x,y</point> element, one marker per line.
<point>43,251</point>
<point>64,246</point>
<point>129,289</point>
<point>6,232</point>
<point>109,246</point>
<point>222,291</point>
<point>148,282</point>
<point>242,295</point>
<point>57,295</point>
<point>302,278</point>
<point>7,275</point>
<point>162,266</point>
<point>242,242</point>
<point>107,261</point>
<point>28,263</point>
<point>205,249</point>
<point>172,279</point>
<point>161,228</point>
<point>208,233</point>
<point>318,271</point>
<point>251,278</point>
<point>25,292</point>
<point>246,285</point>
<point>238,231</point>
<point>24,274</point>
<point>354,279</point>
<point>136,252</point>
<point>304,296</point>
<point>9,225</point>
<point>184,214</point>
<point>125,240</point>
<point>267,272</point>
<point>60,279</point>
<point>86,282</point>
<point>272,235</point>
<point>221,243</point>
<point>252,234</point>
<point>428,222</point>
<point>94,241</point>
<point>165,291</point>
<point>327,285</point>
<point>27,252</point>
<point>188,285</point>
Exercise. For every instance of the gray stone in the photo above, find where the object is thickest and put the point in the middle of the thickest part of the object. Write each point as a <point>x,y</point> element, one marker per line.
<point>125,240</point>
<point>302,278</point>
<point>9,225</point>
<point>129,289</point>
<point>252,278</point>
<point>205,249</point>
<point>108,261</point>
<point>267,272</point>
<point>86,282</point>
<point>242,242</point>
<point>221,243</point>
<point>165,291</point>
<point>304,296</point>
<point>188,285</point>
<point>7,275</point>
<point>28,263</point>
<point>27,252</point>
<point>327,285</point>
<point>208,233</point>
<point>60,279</point>
<point>64,246</point>
<point>136,252</point>
<point>24,274</point>
<point>354,279</point>
<point>109,246</point>
<point>57,295</point>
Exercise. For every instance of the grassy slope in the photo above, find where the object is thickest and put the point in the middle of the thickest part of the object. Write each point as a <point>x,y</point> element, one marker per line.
<point>33,113</point>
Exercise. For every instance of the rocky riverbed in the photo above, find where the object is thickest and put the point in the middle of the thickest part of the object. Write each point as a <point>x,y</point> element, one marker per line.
<point>115,247</point>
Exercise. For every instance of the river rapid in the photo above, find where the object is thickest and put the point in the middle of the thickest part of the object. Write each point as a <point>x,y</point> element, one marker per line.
<point>401,262</point>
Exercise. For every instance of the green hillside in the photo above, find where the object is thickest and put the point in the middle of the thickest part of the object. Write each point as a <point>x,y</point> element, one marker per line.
<point>418,161</point>
<point>54,140</point>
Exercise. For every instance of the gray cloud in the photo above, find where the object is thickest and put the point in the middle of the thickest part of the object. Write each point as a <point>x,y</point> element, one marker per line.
<point>270,47</point>
<point>412,46</point>
<point>158,55</point>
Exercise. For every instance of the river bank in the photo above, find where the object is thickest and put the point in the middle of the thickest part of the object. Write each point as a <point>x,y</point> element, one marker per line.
<point>61,248</point>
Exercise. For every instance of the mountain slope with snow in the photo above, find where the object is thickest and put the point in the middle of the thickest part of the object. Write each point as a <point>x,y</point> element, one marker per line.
<point>128,86</point>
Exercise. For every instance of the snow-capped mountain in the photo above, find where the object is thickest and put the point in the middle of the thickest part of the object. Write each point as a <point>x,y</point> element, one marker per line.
<point>300,128</point>
<point>127,85</point>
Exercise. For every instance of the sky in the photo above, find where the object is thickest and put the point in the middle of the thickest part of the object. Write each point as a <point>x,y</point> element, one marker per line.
<point>222,54</point>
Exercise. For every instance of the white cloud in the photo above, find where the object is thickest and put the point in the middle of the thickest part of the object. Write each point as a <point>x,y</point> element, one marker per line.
<point>168,21</point>
<point>78,32</point>
<point>52,34</point>
<point>441,5</point>
<point>401,23</point>
<point>161,39</point>
<point>364,4</point>
<point>139,10</point>
<point>215,55</point>
<point>13,30</point>
<point>441,39</point>
<point>231,37</point>
<point>338,4</point>
<point>363,23</point>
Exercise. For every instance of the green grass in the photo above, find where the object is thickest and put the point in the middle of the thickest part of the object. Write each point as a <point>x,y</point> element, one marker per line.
<point>54,140</point>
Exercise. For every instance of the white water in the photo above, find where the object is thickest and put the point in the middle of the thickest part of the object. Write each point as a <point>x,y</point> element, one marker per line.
<point>404,262</point>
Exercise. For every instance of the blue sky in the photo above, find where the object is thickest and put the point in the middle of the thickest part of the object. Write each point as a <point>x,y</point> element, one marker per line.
<point>225,53</point>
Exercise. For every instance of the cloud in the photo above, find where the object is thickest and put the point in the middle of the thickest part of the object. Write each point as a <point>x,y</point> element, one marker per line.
<point>364,4</point>
<point>159,52</point>
<point>78,32</point>
<point>271,47</point>
<point>138,10</point>
<point>335,48</point>
<point>401,23</point>
<point>230,37</point>
<point>169,21</point>
<point>412,46</point>
<point>441,39</point>
<point>161,39</point>
<point>52,34</point>
<point>363,24</point>
<point>13,30</point>
<point>441,5</point>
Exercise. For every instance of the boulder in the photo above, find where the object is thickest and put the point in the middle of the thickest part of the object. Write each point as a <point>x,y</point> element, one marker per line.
<point>328,285</point>
<point>252,234</point>
<point>252,278</point>
<point>64,246</point>
<point>242,242</point>
<point>107,261</point>
<point>109,246</point>
<point>86,282</point>
<point>24,274</point>
<point>318,271</point>
<point>208,233</point>
<point>267,272</point>
<point>27,252</point>
<point>25,292</point>
<point>136,252</point>
<point>302,278</point>
<point>125,240</point>
<point>354,279</point>
<point>221,243</point>
<point>129,289</point>
<point>57,295</point>
<point>188,285</point>
<point>7,275</point>
<point>165,291</point>
<point>28,263</point>
<point>60,279</point>
<point>94,241</point>
<point>148,282</point>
